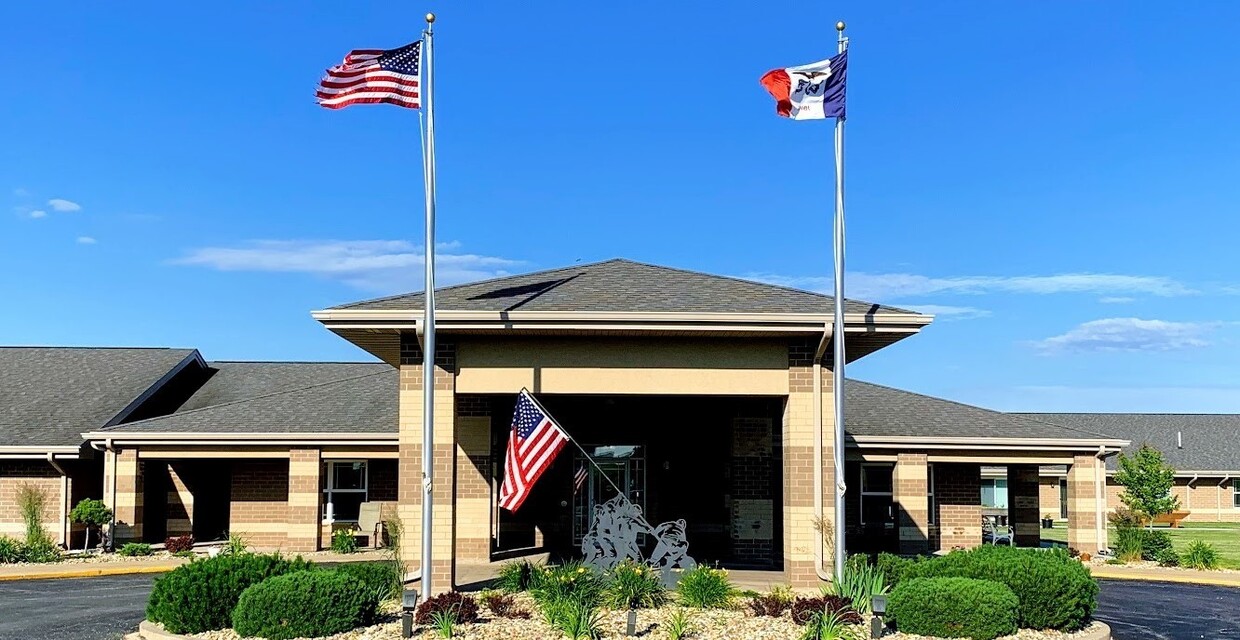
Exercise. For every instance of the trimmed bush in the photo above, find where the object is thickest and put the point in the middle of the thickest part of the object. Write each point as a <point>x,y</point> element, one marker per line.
<point>633,586</point>
<point>706,588</point>
<point>1054,591</point>
<point>805,609</point>
<point>380,580</point>
<point>135,549</point>
<point>462,606</point>
<point>177,544</point>
<point>894,567</point>
<point>953,608</point>
<point>1200,555</point>
<point>1153,543</point>
<point>200,596</point>
<point>302,604</point>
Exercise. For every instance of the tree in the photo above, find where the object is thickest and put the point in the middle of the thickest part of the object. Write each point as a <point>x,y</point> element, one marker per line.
<point>92,513</point>
<point>1147,480</point>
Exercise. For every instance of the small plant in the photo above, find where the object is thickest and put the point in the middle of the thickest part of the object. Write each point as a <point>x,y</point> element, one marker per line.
<point>461,605</point>
<point>10,551</point>
<point>31,501</point>
<point>572,581</point>
<point>769,605</point>
<point>859,583</point>
<point>830,625</point>
<point>176,544</point>
<point>1153,543</point>
<point>580,621</point>
<point>236,545</point>
<point>804,609</point>
<point>343,541</point>
<point>517,576</point>
<point>444,623</point>
<point>678,625</point>
<point>135,549</point>
<point>1200,555</point>
<point>706,588</point>
<point>1167,558</point>
<point>633,586</point>
<point>503,605</point>
<point>94,514</point>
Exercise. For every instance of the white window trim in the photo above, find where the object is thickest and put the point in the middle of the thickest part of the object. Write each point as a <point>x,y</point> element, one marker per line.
<point>328,491</point>
<point>1235,493</point>
<point>864,493</point>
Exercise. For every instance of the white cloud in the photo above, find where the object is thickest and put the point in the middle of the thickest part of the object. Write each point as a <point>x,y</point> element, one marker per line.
<point>946,312</point>
<point>1116,300</point>
<point>375,265</point>
<point>63,206</point>
<point>21,193</point>
<point>37,213</point>
<point>1129,334</point>
<point>885,286</point>
<point>86,240</point>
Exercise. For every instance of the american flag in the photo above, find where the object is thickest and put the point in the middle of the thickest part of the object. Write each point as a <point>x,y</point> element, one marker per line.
<point>532,446</point>
<point>374,75</point>
<point>579,479</point>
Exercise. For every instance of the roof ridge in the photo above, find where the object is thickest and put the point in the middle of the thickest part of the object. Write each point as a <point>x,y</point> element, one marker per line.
<point>84,347</point>
<point>250,399</point>
<point>995,411</point>
<point>303,362</point>
<point>1122,413</point>
<point>478,282</point>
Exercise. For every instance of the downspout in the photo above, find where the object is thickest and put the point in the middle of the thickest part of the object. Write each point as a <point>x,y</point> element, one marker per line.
<point>1218,496</point>
<point>823,574</point>
<point>64,498</point>
<point>1100,498</point>
<point>1188,493</point>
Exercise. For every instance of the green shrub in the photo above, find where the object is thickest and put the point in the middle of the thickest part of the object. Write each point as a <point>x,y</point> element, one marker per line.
<point>1153,543</point>
<point>380,580</point>
<point>135,549</point>
<point>894,567</point>
<point>302,604</point>
<point>706,588</point>
<point>42,550</point>
<point>517,576</point>
<point>1128,543</point>
<point>92,513</point>
<point>633,586</point>
<point>200,596</point>
<point>579,621</point>
<point>343,541</point>
<point>804,610</point>
<point>10,551</point>
<point>176,544</point>
<point>1168,558</point>
<point>1200,555</point>
<point>953,608</point>
<point>461,605</point>
<point>828,625</point>
<point>1054,591</point>
<point>570,582</point>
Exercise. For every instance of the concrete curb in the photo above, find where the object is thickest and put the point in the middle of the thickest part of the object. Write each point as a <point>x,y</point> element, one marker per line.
<point>88,573</point>
<point>1205,580</point>
<point>1103,633</point>
<point>148,630</point>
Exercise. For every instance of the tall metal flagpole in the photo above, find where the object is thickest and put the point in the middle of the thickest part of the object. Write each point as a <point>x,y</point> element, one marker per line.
<point>837,374</point>
<point>428,321</point>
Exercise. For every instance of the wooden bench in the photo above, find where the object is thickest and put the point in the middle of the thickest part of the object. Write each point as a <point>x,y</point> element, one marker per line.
<point>1172,518</point>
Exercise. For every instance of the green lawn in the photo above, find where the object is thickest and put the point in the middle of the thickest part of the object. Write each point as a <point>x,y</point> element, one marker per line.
<point>1226,540</point>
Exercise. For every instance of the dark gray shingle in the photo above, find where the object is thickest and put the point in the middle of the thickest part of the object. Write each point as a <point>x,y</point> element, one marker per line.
<point>618,286</point>
<point>1211,441</point>
<point>50,395</point>
<point>233,381</point>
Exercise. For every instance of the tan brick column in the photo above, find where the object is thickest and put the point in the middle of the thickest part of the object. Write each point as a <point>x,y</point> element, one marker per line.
<point>1023,504</point>
<point>473,491</point>
<point>1083,505</point>
<point>304,498</point>
<point>443,569</point>
<point>958,492</point>
<point>180,515</point>
<point>122,492</point>
<point>910,493</point>
<point>803,541</point>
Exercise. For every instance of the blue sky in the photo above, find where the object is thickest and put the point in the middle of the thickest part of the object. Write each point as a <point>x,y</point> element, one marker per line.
<point>1057,179</point>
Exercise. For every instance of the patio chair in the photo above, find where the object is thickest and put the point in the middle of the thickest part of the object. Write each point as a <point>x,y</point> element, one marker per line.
<point>1002,534</point>
<point>370,522</point>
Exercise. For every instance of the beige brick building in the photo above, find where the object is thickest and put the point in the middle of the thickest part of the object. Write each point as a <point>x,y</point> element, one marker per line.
<point>706,399</point>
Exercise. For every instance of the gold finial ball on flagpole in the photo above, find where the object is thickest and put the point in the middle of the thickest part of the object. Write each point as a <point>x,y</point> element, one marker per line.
<point>430,18</point>
<point>839,26</point>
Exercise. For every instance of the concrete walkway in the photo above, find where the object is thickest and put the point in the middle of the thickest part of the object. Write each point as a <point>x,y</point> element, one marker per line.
<point>132,566</point>
<point>1160,574</point>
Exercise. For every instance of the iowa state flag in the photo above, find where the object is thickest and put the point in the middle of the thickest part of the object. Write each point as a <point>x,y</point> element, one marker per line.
<point>812,91</point>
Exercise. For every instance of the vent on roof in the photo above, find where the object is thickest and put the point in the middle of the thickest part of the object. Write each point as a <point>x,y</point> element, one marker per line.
<point>1179,439</point>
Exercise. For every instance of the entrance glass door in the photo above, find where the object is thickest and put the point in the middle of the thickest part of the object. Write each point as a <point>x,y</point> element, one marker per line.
<point>615,466</point>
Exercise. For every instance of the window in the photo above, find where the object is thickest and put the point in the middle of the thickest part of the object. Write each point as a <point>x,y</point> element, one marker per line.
<point>876,495</point>
<point>994,493</point>
<point>1235,492</point>
<point>344,490</point>
<point>1063,498</point>
<point>930,491</point>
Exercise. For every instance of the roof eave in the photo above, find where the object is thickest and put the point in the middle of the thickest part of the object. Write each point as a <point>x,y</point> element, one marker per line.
<point>1092,445</point>
<point>122,438</point>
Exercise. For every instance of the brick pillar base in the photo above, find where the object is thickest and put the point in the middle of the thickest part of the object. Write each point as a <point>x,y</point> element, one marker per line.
<point>304,497</point>
<point>1083,505</point>
<point>910,484</point>
<point>123,472</point>
<point>1023,512</point>
<point>958,494</point>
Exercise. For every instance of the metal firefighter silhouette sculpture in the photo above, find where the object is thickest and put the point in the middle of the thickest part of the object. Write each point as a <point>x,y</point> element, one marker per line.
<point>613,538</point>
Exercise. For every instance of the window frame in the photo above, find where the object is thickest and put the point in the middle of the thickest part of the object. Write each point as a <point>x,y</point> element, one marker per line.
<point>863,493</point>
<point>1235,493</point>
<point>329,516</point>
<point>930,504</point>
